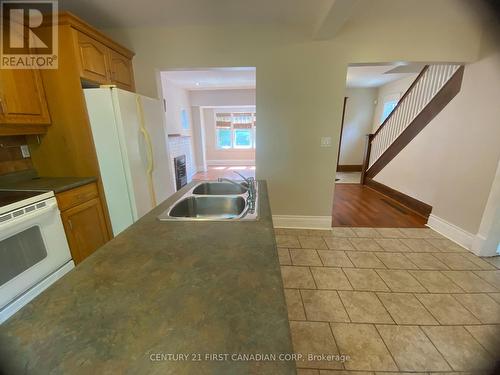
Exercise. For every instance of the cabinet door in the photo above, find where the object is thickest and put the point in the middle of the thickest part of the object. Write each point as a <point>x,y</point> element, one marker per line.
<point>22,98</point>
<point>85,228</point>
<point>93,59</point>
<point>122,74</point>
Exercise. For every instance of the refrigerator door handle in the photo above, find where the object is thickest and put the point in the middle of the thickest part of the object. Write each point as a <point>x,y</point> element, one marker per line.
<point>149,150</point>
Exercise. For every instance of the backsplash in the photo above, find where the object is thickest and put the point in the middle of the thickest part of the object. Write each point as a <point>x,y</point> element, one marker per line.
<point>182,146</point>
<point>11,158</point>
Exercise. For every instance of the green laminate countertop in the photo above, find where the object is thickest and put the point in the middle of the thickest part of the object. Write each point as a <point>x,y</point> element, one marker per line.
<point>29,180</point>
<point>158,290</point>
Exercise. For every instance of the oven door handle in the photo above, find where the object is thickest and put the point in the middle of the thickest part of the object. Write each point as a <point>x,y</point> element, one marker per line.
<point>50,206</point>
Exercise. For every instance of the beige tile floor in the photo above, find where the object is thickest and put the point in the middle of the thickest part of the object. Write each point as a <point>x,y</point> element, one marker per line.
<point>390,301</point>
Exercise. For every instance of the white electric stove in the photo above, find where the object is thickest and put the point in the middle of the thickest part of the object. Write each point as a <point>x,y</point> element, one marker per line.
<point>34,252</point>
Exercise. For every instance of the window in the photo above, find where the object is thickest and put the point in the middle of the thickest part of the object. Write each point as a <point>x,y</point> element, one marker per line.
<point>388,108</point>
<point>235,130</point>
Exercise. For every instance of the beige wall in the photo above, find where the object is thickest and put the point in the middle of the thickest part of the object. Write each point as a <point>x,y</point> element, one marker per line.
<point>226,97</point>
<point>301,83</point>
<point>357,124</point>
<point>177,100</point>
<point>451,164</point>
<point>213,154</point>
<point>392,89</point>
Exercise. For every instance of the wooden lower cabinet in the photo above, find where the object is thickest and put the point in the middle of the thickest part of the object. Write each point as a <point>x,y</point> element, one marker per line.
<point>83,221</point>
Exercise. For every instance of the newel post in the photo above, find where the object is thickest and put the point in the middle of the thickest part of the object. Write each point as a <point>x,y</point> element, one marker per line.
<point>366,158</point>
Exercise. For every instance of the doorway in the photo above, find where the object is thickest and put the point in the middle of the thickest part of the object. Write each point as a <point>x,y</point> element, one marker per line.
<point>211,120</point>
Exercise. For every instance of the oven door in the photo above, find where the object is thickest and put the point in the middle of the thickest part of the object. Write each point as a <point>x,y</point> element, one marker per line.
<point>32,246</point>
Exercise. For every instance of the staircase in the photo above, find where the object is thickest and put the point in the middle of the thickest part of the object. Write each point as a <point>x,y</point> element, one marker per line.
<point>432,90</point>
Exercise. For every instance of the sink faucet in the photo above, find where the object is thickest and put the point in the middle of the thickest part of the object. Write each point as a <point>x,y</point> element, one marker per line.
<point>250,188</point>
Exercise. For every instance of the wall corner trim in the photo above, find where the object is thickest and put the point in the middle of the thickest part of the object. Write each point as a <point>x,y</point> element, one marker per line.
<point>302,222</point>
<point>451,231</point>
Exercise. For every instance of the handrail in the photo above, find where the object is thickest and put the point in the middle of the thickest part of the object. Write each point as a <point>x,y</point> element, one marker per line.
<point>435,86</point>
<point>401,100</point>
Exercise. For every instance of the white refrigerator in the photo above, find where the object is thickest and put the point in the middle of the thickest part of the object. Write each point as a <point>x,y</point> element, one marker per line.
<point>132,150</point>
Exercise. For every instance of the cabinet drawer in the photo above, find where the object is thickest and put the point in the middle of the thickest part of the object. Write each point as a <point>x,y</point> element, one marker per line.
<point>74,197</point>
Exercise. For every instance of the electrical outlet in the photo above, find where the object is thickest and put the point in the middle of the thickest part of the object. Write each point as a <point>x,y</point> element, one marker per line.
<point>326,141</point>
<point>25,151</point>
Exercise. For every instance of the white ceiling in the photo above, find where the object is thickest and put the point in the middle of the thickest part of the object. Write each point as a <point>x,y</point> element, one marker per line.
<point>379,75</point>
<point>301,14</point>
<point>212,79</point>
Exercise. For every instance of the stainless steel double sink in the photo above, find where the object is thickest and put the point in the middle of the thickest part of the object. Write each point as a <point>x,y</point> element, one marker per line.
<point>214,201</point>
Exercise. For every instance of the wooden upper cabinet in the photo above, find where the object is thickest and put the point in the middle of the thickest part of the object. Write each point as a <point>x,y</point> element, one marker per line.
<point>22,98</point>
<point>93,59</point>
<point>122,74</point>
<point>102,61</point>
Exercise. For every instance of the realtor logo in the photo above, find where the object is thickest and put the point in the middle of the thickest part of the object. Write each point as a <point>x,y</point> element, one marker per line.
<point>28,34</point>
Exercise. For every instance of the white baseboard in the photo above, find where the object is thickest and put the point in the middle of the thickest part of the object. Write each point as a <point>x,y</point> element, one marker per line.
<point>231,162</point>
<point>451,231</point>
<point>302,222</point>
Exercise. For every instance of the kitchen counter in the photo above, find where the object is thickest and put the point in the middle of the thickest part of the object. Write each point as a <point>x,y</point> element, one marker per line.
<point>28,180</point>
<point>159,290</point>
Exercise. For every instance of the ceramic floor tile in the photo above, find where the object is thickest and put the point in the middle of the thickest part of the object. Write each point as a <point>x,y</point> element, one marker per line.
<point>436,282</point>
<point>310,242</point>
<point>335,258</point>
<point>492,277</point>
<point>366,232</point>
<point>418,232</point>
<point>406,309</point>
<point>445,245</point>
<point>294,305</point>
<point>297,277</point>
<point>459,348</point>
<point>419,245</point>
<point>495,296</point>
<point>400,281</point>
<point>346,372</point>
<point>426,261</point>
<point>290,231</point>
<point>283,240</point>
<point>365,244</point>
<point>411,349</point>
<point>392,245</point>
<point>364,346</point>
<point>338,243</point>
<point>480,262</point>
<point>364,307</point>
<point>365,279</point>
<point>494,261</point>
<point>314,338</point>
<point>456,261</point>
<point>284,256</point>
<point>319,232</point>
<point>305,257</point>
<point>396,261</point>
<point>446,309</point>
<point>390,232</point>
<point>304,371</point>
<point>482,306</point>
<point>469,282</point>
<point>330,278</point>
<point>365,259</point>
<point>323,305</point>
<point>343,232</point>
<point>488,336</point>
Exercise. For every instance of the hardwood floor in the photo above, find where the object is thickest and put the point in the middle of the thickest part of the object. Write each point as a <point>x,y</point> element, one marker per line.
<point>356,205</point>
<point>215,172</point>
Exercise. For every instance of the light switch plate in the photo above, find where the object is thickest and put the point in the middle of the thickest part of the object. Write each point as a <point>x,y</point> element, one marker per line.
<point>326,141</point>
<point>25,151</point>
